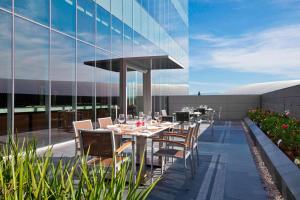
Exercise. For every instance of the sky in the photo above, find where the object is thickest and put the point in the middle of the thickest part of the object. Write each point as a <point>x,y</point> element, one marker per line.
<point>238,42</point>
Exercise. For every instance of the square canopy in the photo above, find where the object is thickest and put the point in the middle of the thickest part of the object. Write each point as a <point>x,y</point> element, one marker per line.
<point>138,63</point>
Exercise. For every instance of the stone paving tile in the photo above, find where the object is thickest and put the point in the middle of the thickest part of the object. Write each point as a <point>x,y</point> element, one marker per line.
<point>226,170</point>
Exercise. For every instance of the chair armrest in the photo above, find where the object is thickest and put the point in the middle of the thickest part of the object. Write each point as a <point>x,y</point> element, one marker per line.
<point>177,143</point>
<point>171,134</point>
<point>124,146</point>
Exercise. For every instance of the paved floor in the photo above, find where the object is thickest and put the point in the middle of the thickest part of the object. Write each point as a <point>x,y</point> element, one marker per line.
<point>226,169</point>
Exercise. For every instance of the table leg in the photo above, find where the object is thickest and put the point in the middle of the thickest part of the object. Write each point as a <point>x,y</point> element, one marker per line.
<point>141,152</point>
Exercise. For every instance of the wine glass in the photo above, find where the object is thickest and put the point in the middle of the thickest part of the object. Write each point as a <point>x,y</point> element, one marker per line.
<point>156,116</point>
<point>121,118</point>
<point>141,115</point>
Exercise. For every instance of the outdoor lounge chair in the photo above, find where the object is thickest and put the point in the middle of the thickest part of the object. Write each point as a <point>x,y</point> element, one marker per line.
<point>183,149</point>
<point>77,125</point>
<point>100,145</point>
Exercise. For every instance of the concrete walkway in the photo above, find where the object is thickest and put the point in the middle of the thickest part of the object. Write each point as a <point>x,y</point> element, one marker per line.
<point>226,171</point>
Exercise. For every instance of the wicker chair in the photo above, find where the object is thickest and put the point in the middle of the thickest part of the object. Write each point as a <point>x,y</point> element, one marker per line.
<point>100,145</point>
<point>78,125</point>
<point>183,149</point>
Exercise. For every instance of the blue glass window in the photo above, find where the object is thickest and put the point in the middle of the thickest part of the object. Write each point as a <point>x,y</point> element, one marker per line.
<point>64,15</point>
<point>103,38</point>
<point>128,41</point>
<point>86,20</point>
<point>37,10</point>
<point>5,4</point>
<point>117,35</point>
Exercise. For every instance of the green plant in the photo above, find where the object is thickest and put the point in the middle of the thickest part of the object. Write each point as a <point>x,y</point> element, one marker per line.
<point>25,175</point>
<point>282,129</point>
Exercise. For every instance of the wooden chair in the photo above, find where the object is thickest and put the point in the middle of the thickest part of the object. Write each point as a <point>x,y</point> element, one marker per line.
<point>100,144</point>
<point>104,122</point>
<point>183,149</point>
<point>78,125</point>
<point>183,135</point>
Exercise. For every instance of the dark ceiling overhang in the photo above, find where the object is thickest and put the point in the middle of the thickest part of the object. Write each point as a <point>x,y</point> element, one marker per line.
<point>143,63</point>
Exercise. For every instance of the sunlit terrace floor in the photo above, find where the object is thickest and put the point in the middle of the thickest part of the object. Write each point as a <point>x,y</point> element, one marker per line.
<point>226,169</point>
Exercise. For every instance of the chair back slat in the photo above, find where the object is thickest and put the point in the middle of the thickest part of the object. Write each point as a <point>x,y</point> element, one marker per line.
<point>97,143</point>
<point>189,138</point>
<point>104,122</point>
<point>196,132</point>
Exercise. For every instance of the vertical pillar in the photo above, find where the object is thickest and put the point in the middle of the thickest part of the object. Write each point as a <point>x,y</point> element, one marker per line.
<point>147,91</point>
<point>123,87</point>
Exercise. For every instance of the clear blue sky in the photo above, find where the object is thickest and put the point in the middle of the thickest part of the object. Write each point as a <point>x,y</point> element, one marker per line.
<point>235,42</point>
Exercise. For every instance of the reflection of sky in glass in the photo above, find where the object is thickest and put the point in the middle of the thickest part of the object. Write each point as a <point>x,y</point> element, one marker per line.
<point>31,55</point>
<point>103,77</point>
<point>63,15</point>
<point>103,28</point>
<point>117,35</point>
<point>5,45</point>
<point>31,50</point>
<point>85,73</point>
<point>148,39</point>
<point>5,4</point>
<point>86,20</point>
<point>62,71</point>
<point>37,10</point>
<point>5,56</point>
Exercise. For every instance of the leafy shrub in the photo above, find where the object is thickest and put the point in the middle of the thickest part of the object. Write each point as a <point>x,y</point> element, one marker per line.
<point>282,129</point>
<point>25,175</point>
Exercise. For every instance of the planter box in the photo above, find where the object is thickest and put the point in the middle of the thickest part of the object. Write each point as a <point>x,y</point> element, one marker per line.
<point>284,172</point>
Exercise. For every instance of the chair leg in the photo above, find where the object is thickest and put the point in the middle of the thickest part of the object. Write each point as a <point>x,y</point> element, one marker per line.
<point>192,168</point>
<point>162,165</point>
<point>197,155</point>
<point>152,163</point>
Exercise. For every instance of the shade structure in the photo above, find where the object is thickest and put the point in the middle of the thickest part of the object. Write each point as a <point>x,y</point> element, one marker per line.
<point>138,63</point>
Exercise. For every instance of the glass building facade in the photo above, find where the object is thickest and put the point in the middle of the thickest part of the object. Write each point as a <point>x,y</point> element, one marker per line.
<point>45,81</point>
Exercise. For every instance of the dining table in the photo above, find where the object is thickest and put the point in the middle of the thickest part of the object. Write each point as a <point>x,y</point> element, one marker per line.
<point>140,134</point>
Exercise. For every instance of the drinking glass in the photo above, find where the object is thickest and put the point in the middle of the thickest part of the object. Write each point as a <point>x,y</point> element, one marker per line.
<point>121,118</point>
<point>141,115</point>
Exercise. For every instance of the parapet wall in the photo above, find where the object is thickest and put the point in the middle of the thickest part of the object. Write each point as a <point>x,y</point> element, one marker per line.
<point>233,107</point>
<point>284,99</point>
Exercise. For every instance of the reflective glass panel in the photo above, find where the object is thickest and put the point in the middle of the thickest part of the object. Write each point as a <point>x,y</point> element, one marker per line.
<point>64,15</point>
<point>117,36</point>
<point>37,10</point>
<point>6,4</point>
<point>62,75</point>
<point>5,75</point>
<point>134,92</point>
<point>103,24</point>
<point>116,64</point>
<point>31,81</point>
<point>86,20</point>
<point>85,82</point>
<point>103,86</point>
<point>128,41</point>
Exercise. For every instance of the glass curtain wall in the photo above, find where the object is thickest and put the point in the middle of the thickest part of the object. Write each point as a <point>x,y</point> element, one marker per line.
<point>52,83</point>
<point>134,92</point>
<point>5,75</point>
<point>31,81</point>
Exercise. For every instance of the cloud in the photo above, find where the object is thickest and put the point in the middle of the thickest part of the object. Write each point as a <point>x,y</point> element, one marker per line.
<point>274,51</point>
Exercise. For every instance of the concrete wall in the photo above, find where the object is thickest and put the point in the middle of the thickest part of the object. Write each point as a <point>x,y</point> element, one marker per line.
<point>234,107</point>
<point>284,99</point>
